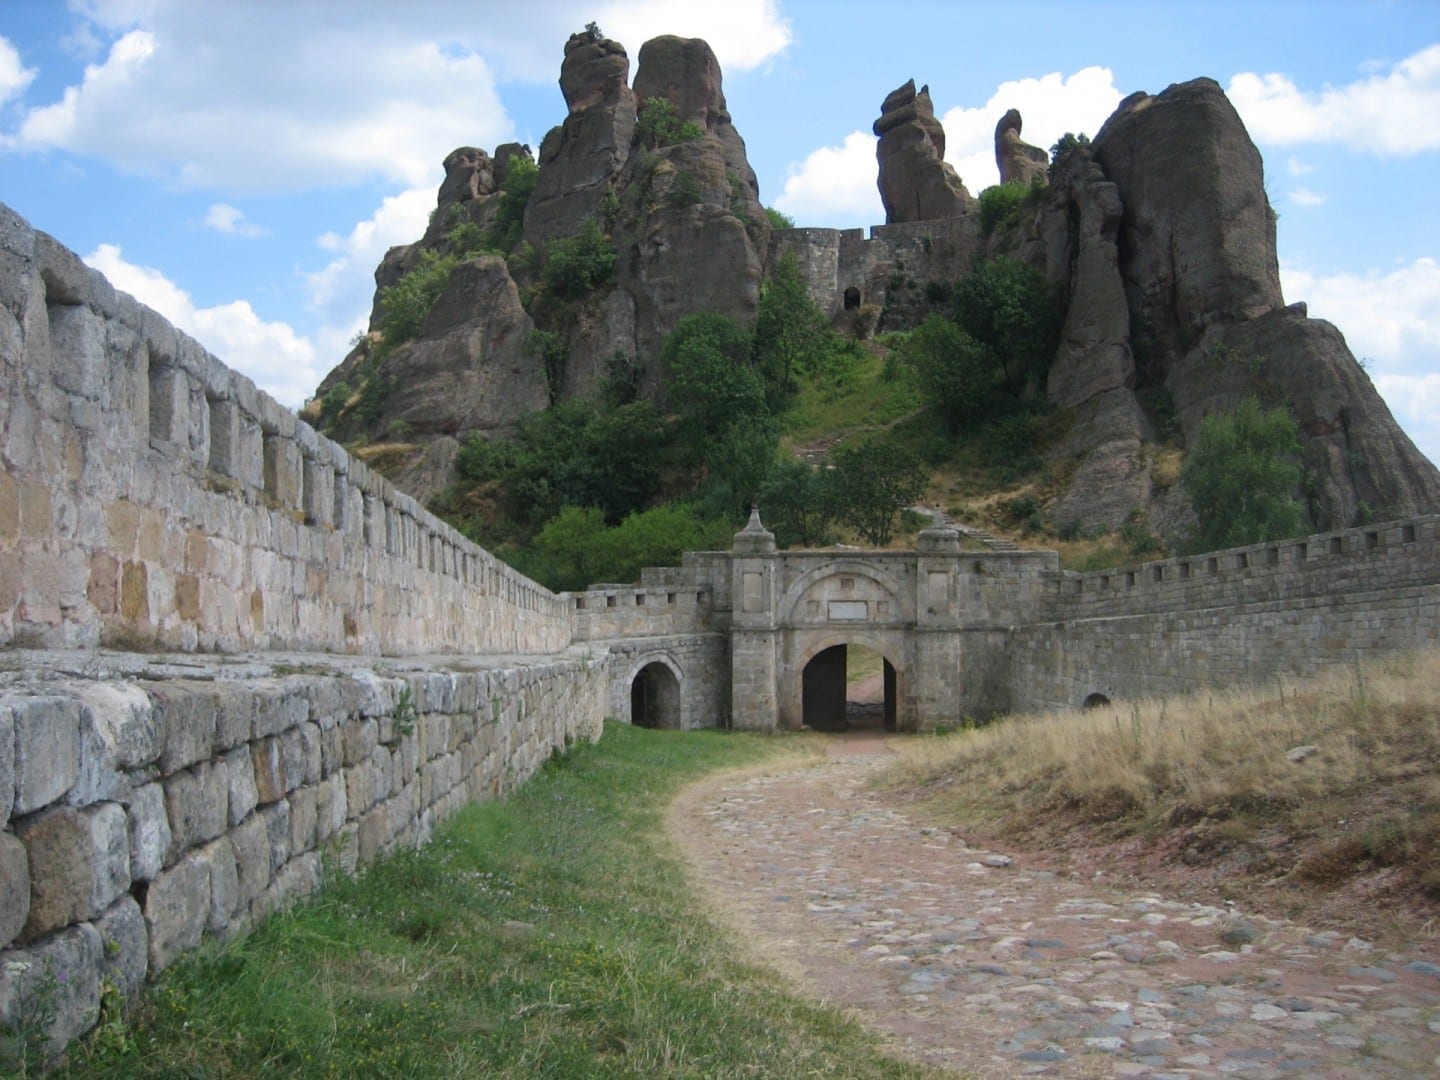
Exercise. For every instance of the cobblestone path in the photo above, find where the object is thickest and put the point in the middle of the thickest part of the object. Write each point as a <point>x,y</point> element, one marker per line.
<point>972,961</point>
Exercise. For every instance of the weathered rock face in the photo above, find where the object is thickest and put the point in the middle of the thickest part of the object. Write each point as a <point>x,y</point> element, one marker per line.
<point>1017,160</point>
<point>916,183</point>
<point>580,159</point>
<point>1198,242</point>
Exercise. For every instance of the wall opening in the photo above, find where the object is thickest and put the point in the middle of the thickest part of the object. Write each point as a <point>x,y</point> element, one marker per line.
<point>852,299</point>
<point>848,688</point>
<point>1095,701</point>
<point>655,698</point>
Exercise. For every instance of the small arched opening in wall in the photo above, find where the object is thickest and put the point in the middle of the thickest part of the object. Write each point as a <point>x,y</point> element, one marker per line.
<point>655,697</point>
<point>849,687</point>
<point>1096,700</point>
<point>852,299</point>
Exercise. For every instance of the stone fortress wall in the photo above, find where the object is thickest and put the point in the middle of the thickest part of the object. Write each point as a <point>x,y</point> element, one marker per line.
<point>343,670</point>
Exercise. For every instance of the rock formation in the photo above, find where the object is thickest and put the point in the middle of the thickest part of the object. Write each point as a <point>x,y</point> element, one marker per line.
<point>916,183</point>
<point>1017,160</point>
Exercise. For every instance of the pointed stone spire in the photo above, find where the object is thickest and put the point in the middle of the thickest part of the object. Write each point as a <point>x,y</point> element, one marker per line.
<point>754,539</point>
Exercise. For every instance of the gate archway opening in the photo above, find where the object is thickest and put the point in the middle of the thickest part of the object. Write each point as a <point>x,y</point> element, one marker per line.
<point>655,697</point>
<point>848,688</point>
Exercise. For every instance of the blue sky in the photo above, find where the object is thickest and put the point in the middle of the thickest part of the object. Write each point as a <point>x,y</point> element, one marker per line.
<point>242,165</point>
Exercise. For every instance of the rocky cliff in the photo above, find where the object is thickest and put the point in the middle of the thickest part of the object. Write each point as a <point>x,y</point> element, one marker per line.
<point>1157,237</point>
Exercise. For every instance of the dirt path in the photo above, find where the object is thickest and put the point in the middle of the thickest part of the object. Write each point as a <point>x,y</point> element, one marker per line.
<point>969,959</point>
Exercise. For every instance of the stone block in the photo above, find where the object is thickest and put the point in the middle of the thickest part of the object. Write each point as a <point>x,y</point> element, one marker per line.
<point>343,849</point>
<point>79,864</point>
<point>268,758</point>
<point>373,833</point>
<point>234,718</point>
<point>47,750</point>
<point>292,748</point>
<point>240,774</point>
<point>77,341</point>
<point>331,808</point>
<point>251,843</point>
<point>312,756</point>
<point>197,803</point>
<point>53,986</point>
<point>277,831</point>
<point>124,947</point>
<point>185,714</point>
<point>177,905</point>
<point>277,707</point>
<point>117,734</point>
<point>14,888</point>
<point>149,831</point>
<point>7,764</point>
<point>298,879</point>
<point>359,738</point>
<point>221,866</point>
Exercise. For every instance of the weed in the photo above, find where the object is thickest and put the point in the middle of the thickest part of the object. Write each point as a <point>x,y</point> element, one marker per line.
<point>404,713</point>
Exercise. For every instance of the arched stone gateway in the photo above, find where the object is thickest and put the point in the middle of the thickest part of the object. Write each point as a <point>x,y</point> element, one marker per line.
<point>655,697</point>
<point>827,704</point>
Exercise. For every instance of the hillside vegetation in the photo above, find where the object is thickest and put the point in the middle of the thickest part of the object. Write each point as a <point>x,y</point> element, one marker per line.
<point>1317,798</point>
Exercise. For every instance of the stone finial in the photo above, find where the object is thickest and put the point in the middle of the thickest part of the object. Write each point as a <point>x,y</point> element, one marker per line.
<point>754,539</point>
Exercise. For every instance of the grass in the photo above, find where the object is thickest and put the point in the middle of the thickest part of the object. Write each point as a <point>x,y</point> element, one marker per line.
<point>1213,774</point>
<point>553,934</point>
<point>866,399</point>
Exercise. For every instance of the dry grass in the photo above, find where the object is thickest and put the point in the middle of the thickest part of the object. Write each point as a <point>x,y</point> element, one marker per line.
<point>1209,774</point>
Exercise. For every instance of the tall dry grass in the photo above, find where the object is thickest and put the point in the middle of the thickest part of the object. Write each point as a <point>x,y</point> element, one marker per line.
<point>1351,756</point>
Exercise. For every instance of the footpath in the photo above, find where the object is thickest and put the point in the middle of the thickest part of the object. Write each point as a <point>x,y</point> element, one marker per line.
<point>967,959</point>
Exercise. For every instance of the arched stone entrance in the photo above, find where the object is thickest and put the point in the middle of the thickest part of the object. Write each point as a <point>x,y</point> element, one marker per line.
<point>825,696</point>
<point>655,697</point>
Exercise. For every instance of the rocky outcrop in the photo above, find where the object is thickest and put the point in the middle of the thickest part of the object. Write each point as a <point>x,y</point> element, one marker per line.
<point>916,183</point>
<point>579,159</point>
<point>1017,160</point>
<point>1198,242</point>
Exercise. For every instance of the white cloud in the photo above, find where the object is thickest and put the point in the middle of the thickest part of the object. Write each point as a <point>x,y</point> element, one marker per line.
<point>1298,168</point>
<point>14,75</point>
<point>279,361</point>
<point>834,184</point>
<point>744,34</point>
<point>1389,113</point>
<point>1392,321</point>
<point>342,292</point>
<point>210,95</point>
<point>1303,196</point>
<point>1049,106</point>
<point>224,218</point>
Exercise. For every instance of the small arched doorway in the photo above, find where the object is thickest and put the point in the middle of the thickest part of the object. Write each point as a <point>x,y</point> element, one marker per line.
<point>1095,701</point>
<point>848,687</point>
<point>655,697</point>
<point>852,298</point>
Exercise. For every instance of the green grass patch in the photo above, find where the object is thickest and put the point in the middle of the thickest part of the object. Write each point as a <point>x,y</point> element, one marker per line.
<point>871,395</point>
<point>552,934</point>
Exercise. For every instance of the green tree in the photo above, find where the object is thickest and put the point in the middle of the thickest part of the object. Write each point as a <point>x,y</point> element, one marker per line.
<point>798,503</point>
<point>955,372</point>
<point>1066,145</point>
<point>736,462</point>
<point>712,383</point>
<point>1008,307</point>
<point>874,481</point>
<point>404,305</point>
<point>1242,473</point>
<point>658,124</point>
<point>577,265</point>
<point>521,175</point>
<point>779,220</point>
<point>792,337</point>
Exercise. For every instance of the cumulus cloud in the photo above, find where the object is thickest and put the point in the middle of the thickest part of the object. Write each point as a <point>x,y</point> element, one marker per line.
<point>1392,321</point>
<point>1389,113</point>
<point>1303,196</point>
<point>224,218</point>
<point>1049,106</point>
<point>14,75</point>
<point>744,34</point>
<point>835,185</point>
<point>341,292</point>
<point>278,360</point>
<point>210,95</point>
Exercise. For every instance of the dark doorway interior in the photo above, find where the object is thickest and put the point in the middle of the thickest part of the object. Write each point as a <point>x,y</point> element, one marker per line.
<point>655,698</point>
<point>831,702</point>
<point>852,298</point>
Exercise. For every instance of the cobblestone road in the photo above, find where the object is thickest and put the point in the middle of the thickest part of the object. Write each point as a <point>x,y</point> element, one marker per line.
<point>972,961</point>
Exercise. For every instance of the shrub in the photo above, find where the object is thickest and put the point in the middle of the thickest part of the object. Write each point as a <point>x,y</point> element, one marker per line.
<point>798,502</point>
<point>659,125</point>
<point>1242,473</point>
<point>1068,143</point>
<point>874,482</point>
<point>521,175</point>
<point>778,220</point>
<point>712,383</point>
<point>792,337</point>
<point>577,265</point>
<point>1008,307</point>
<point>404,305</point>
<point>954,371</point>
<point>1000,205</point>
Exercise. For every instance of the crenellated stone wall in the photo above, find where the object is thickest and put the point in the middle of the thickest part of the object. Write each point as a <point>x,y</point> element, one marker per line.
<point>152,496</point>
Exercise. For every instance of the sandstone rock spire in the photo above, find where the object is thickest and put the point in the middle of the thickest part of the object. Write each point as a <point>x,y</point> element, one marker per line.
<point>916,183</point>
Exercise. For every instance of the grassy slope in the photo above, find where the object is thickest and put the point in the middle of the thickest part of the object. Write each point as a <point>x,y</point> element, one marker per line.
<point>1215,791</point>
<point>549,935</point>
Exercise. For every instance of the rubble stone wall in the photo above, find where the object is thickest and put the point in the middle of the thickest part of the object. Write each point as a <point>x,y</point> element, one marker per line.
<point>144,814</point>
